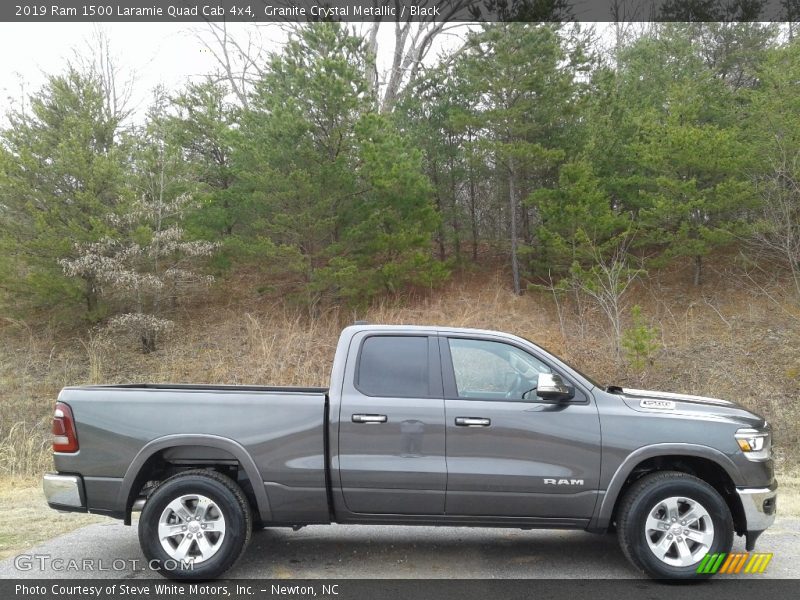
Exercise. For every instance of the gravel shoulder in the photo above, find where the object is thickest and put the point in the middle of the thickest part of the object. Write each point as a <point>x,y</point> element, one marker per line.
<point>29,527</point>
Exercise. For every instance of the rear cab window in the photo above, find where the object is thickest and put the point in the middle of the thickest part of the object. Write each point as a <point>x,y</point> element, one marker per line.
<point>394,366</point>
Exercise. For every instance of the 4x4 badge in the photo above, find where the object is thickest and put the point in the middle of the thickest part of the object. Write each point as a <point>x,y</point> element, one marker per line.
<point>660,404</point>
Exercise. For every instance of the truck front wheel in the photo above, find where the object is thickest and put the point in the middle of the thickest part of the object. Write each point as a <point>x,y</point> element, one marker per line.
<point>668,521</point>
<point>195,525</point>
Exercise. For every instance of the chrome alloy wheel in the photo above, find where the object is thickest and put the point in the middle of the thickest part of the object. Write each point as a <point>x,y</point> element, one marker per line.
<point>679,531</point>
<point>191,528</point>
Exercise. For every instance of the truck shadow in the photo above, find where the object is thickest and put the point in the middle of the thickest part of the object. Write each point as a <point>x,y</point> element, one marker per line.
<point>431,552</point>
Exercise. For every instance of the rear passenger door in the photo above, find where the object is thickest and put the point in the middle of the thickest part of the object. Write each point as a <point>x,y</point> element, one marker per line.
<point>392,427</point>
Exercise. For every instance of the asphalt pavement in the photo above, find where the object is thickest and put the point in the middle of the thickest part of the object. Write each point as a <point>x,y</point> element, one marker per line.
<point>376,552</point>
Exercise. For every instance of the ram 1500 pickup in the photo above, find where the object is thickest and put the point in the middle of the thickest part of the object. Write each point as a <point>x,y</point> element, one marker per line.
<point>420,426</point>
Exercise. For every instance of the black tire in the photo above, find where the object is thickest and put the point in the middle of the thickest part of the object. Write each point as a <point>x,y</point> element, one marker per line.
<point>233,506</point>
<point>643,496</point>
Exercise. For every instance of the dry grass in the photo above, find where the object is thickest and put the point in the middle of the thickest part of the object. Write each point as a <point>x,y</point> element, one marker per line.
<point>722,340</point>
<point>27,520</point>
<point>789,493</point>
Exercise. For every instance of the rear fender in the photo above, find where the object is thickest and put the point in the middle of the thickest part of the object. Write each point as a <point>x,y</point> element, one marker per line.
<point>128,490</point>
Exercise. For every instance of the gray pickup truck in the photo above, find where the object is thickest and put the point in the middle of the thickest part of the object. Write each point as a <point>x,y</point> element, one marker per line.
<point>420,426</point>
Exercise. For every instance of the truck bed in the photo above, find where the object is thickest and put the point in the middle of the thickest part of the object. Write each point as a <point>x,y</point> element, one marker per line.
<point>278,431</point>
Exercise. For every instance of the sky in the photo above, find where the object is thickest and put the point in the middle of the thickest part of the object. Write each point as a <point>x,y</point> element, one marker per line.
<point>156,53</point>
<point>167,54</point>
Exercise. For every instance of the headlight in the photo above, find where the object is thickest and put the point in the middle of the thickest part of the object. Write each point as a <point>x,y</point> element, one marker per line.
<point>755,445</point>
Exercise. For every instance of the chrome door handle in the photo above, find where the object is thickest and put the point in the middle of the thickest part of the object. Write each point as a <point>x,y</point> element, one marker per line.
<point>369,418</point>
<point>472,422</point>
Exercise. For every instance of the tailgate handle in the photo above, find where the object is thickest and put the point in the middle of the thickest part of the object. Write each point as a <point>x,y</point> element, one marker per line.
<point>369,418</point>
<point>472,422</point>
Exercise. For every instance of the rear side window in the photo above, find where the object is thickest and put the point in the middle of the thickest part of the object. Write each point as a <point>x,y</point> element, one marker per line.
<point>393,366</point>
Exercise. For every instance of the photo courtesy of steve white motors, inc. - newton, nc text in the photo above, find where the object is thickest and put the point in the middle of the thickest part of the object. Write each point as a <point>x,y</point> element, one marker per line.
<point>436,299</point>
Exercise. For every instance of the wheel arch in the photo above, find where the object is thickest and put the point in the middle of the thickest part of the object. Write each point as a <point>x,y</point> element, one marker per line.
<point>137,472</point>
<point>705,462</point>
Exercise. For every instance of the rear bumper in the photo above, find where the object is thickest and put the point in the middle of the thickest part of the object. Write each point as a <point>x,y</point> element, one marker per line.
<point>64,492</point>
<point>760,505</point>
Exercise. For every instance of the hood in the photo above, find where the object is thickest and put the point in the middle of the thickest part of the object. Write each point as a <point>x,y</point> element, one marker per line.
<point>696,406</point>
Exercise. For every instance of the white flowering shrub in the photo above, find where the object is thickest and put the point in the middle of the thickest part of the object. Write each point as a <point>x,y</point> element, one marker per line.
<point>146,279</point>
<point>145,327</point>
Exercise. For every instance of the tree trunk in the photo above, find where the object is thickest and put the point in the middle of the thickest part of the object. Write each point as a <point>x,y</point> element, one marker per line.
<point>473,216</point>
<point>91,296</point>
<point>512,206</point>
<point>795,267</point>
<point>473,209</point>
<point>617,325</point>
<point>698,270</point>
<point>439,208</point>
<point>228,227</point>
<point>527,235</point>
<point>454,214</point>
<point>148,342</point>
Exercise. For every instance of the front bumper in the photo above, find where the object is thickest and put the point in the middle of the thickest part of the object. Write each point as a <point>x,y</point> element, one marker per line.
<point>760,505</point>
<point>64,492</point>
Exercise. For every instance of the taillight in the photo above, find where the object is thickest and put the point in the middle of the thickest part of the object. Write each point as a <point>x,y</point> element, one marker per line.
<point>65,437</point>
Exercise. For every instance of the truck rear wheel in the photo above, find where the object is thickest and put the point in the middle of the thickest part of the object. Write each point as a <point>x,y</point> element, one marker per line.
<point>668,521</point>
<point>195,525</point>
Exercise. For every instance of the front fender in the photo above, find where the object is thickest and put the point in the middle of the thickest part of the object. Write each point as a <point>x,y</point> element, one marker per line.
<point>605,507</point>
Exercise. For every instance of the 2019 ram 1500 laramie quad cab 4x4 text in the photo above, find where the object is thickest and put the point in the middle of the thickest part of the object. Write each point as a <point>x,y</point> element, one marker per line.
<point>420,426</point>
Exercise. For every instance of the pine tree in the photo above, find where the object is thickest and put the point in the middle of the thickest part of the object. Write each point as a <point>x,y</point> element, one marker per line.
<point>61,176</point>
<point>341,208</point>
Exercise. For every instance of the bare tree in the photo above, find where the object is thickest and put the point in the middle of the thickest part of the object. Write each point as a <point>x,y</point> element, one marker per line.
<point>97,58</point>
<point>242,55</point>
<point>778,233</point>
<point>624,15</point>
<point>412,43</point>
<point>606,282</point>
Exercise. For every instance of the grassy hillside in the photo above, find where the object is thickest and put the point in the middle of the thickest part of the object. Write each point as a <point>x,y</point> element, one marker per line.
<point>733,338</point>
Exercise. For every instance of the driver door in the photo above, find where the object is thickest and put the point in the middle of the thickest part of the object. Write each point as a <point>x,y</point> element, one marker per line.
<point>510,454</point>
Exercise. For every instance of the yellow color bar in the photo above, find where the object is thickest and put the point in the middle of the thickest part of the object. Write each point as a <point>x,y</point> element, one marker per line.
<point>758,563</point>
<point>767,558</point>
<point>753,564</point>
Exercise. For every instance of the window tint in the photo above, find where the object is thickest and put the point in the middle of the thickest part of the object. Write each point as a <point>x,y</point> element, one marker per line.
<point>393,366</point>
<point>494,370</point>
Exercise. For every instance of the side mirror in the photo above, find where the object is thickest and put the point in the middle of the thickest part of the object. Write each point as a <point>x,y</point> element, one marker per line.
<point>551,387</point>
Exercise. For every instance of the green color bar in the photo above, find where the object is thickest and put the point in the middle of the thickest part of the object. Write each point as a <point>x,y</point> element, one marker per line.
<point>701,566</point>
<point>718,564</point>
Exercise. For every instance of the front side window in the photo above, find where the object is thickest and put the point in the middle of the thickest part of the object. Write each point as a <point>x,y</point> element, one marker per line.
<point>394,366</point>
<point>494,370</point>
